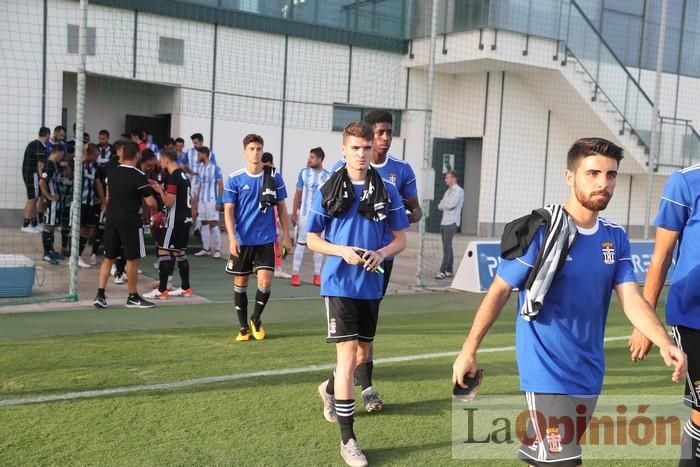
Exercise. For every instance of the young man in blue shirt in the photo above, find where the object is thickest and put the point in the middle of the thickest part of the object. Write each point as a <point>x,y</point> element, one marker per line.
<point>355,244</point>
<point>678,225</point>
<point>560,353</point>
<point>401,175</point>
<point>250,222</point>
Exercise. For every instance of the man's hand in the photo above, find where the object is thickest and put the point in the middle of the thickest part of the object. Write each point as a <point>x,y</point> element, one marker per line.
<point>675,357</point>
<point>287,242</point>
<point>350,256</point>
<point>415,215</point>
<point>234,247</point>
<point>464,365</point>
<point>294,218</point>
<point>52,197</point>
<point>372,259</point>
<point>639,346</point>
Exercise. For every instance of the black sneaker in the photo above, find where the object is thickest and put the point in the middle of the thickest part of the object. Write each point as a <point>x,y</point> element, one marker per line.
<point>137,302</point>
<point>100,301</point>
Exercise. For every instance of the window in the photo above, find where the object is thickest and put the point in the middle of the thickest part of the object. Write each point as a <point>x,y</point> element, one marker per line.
<point>73,32</point>
<point>344,114</point>
<point>171,51</point>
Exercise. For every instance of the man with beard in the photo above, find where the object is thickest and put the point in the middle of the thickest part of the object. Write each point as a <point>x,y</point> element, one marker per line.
<point>559,336</point>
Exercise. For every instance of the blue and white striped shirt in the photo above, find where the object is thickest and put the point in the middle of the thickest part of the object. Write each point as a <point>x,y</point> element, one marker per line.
<point>309,180</point>
<point>209,176</point>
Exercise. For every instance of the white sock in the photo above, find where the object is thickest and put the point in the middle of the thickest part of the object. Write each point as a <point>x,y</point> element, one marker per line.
<point>204,232</point>
<point>216,237</point>
<point>298,257</point>
<point>318,262</point>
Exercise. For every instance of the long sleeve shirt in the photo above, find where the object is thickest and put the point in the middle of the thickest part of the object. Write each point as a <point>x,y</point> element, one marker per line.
<point>451,206</point>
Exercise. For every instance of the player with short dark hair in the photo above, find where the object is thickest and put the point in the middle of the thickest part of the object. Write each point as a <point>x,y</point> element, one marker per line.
<point>250,194</point>
<point>127,187</point>
<point>105,156</point>
<point>560,329</point>
<point>351,283</point>
<point>308,181</point>
<point>34,152</point>
<point>678,226</point>
<point>178,219</point>
<point>209,194</point>
<point>49,186</point>
<point>91,199</point>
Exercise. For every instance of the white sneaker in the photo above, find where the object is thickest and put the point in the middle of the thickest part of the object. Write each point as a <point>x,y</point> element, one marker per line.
<point>156,294</point>
<point>217,254</point>
<point>93,259</point>
<point>139,271</point>
<point>281,274</point>
<point>29,229</point>
<point>352,454</point>
<point>202,253</point>
<point>82,264</point>
<point>176,292</point>
<point>328,403</point>
<point>120,279</point>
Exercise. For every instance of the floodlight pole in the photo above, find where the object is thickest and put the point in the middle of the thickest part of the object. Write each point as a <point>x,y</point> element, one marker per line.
<point>78,156</point>
<point>427,142</point>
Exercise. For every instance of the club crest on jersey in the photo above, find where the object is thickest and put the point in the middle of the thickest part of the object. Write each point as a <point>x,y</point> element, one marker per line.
<point>608,250</point>
<point>554,440</point>
<point>696,387</point>
<point>331,326</point>
<point>392,178</point>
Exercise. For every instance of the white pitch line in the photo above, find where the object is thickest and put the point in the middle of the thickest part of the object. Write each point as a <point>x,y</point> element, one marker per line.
<point>226,378</point>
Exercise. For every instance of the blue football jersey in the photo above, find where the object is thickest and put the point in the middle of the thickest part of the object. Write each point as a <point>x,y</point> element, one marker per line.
<point>339,279</point>
<point>561,351</point>
<point>679,211</point>
<point>397,172</point>
<point>253,227</point>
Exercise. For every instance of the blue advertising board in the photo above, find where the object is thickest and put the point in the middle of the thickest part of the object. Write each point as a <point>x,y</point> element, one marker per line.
<point>488,255</point>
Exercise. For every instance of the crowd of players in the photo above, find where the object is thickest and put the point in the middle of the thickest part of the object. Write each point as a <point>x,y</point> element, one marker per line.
<point>355,215</point>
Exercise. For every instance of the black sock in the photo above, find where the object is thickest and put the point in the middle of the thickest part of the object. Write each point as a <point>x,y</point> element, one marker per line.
<point>690,442</point>
<point>183,265</point>
<point>81,247</point>
<point>164,265</point>
<point>345,413</point>
<point>65,238</point>
<point>330,387</point>
<point>101,292</point>
<point>47,241</point>
<point>240,302</point>
<point>121,266</point>
<point>25,223</point>
<point>261,298</point>
<point>364,374</point>
<point>35,221</point>
<point>133,295</point>
<point>97,240</point>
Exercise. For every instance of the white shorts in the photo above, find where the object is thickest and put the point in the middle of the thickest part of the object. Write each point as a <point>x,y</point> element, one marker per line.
<point>301,229</point>
<point>207,211</point>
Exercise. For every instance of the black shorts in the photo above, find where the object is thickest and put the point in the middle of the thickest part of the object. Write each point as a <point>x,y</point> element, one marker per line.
<point>52,213</point>
<point>89,215</point>
<point>251,258</point>
<point>552,437</point>
<point>173,238</point>
<point>387,265</point>
<point>31,183</point>
<point>129,238</point>
<point>351,319</point>
<point>688,340</point>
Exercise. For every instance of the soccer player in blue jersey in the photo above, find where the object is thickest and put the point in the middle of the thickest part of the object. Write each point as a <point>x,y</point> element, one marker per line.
<point>678,225</point>
<point>310,178</point>
<point>355,245</point>
<point>209,193</point>
<point>399,173</point>
<point>560,353</point>
<point>250,223</point>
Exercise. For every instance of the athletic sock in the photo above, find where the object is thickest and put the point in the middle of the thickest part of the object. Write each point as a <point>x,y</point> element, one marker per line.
<point>261,298</point>
<point>364,374</point>
<point>690,442</point>
<point>215,238</point>
<point>47,241</point>
<point>298,257</point>
<point>164,266</point>
<point>183,266</point>
<point>121,266</point>
<point>330,387</point>
<point>97,240</point>
<point>318,262</point>
<point>25,223</point>
<point>204,234</point>
<point>35,221</point>
<point>101,292</point>
<point>345,411</point>
<point>240,302</point>
<point>81,247</point>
